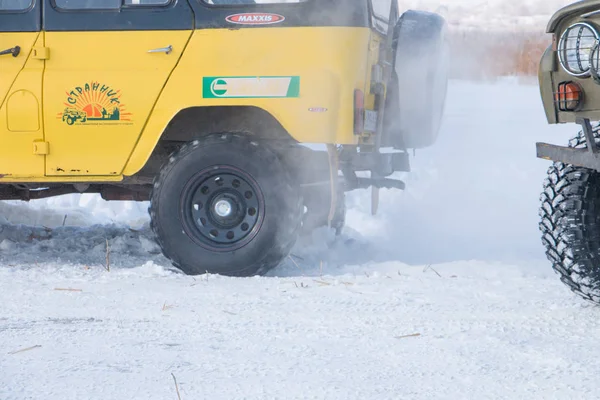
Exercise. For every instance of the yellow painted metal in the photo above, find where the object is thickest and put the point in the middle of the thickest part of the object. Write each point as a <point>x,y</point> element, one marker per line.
<point>107,100</point>
<point>41,53</point>
<point>331,62</point>
<point>41,148</point>
<point>9,65</point>
<point>373,59</point>
<point>60,179</point>
<point>99,89</point>
<point>21,111</point>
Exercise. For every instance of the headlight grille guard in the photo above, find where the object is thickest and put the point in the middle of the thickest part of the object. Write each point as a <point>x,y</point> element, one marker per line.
<point>563,51</point>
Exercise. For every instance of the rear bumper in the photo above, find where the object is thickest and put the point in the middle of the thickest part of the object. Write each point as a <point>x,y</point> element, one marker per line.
<point>588,157</point>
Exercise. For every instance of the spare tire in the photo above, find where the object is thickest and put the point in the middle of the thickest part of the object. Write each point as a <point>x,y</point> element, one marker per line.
<point>417,93</point>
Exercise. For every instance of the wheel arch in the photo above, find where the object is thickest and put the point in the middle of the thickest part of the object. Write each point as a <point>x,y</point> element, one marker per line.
<point>197,122</point>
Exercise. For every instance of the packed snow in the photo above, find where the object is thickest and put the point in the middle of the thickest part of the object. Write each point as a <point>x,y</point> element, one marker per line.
<point>444,295</point>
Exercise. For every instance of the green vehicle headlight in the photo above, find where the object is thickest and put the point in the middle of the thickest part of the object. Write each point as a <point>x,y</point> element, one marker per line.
<point>575,48</point>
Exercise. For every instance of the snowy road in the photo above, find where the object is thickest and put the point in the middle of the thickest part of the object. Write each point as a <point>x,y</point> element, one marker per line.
<point>333,324</point>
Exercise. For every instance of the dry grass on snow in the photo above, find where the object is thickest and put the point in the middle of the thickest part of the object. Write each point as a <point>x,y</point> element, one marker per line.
<point>487,55</point>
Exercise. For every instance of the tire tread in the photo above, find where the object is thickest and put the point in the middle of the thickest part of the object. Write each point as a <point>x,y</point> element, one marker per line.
<point>280,247</point>
<point>570,224</point>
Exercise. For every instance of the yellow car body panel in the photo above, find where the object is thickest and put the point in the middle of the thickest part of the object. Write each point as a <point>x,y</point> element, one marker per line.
<point>375,44</point>
<point>99,89</point>
<point>21,107</point>
<point>329,63</point>
<point>107,100</point>
<point>11,66</point>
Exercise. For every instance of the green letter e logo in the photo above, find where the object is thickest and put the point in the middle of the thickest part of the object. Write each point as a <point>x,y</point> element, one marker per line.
<point>219,87</point>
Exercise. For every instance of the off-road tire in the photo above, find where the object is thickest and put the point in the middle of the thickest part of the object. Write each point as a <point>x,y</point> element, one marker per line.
<point>317,215</point>
<point>309,167</point>
<point>274,237</point>
<point>570,224</point>
<point>416,102</point>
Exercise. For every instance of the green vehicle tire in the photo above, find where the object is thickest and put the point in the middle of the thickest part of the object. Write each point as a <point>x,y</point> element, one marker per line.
<point>570,224</point>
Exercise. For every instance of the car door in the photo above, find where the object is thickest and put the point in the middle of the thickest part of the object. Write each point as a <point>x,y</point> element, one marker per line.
<point>109,61</point>
<point>21,74</point>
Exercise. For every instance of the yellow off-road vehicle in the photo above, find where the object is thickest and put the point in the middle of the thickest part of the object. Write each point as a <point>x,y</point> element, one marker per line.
<point>204,108</point>
<point>72,115</point>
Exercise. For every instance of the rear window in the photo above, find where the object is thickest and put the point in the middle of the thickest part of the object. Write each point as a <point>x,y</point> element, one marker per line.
<point>89,4</point>
<point>146,2</point>
<point>15,5</point>
<point>381,8</point>
<point>232,2</point>
<point>381,14</point>
<point>105,4</point>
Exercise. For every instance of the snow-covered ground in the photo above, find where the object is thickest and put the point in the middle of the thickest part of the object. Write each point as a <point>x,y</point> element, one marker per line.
<point>493,321</point>
<point>528,15</point>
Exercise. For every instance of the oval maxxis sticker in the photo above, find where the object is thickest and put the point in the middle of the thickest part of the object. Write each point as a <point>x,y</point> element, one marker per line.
<point>255,19</point>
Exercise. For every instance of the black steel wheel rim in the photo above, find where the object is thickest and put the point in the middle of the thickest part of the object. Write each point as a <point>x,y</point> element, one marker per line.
<point>222,208</point>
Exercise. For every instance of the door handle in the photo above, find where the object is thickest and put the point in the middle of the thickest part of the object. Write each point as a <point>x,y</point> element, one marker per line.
<point>14,51</point>
<point>166,50</point>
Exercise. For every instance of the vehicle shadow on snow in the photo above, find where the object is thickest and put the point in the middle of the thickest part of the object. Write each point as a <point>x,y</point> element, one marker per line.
<point>324,253</point>
<point>30,246</point>
<point>31,237</point>
<point>26,246</point>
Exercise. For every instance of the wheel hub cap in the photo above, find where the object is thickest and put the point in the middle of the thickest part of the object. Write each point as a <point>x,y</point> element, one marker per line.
<point>223,208</point>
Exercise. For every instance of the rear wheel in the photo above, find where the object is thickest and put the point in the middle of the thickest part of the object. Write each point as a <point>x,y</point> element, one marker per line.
<point>570,225</point>
<point>226,206</point>
<point>318,207</point>
<point>311,170</point>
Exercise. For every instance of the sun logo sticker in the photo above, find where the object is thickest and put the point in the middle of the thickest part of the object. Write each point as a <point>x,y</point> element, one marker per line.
<point>94,104</point>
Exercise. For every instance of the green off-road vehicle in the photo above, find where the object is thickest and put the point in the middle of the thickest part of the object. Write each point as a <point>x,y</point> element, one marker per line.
<point>570,88</point>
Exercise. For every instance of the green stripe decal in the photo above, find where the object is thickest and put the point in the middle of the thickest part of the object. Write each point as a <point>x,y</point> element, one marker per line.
<point>215,87</point>
<point>294,89</point>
